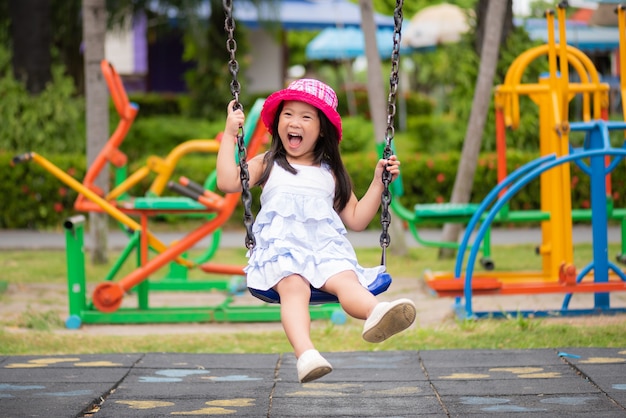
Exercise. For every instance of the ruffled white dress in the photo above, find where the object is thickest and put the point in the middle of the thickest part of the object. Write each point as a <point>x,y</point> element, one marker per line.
<point>297,231</point>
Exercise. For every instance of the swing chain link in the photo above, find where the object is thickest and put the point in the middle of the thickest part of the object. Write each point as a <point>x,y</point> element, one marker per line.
<point>385,216</point>
<point>244,175</point>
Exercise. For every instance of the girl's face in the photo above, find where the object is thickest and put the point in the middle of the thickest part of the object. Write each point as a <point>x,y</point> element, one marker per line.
<point>299,129</point>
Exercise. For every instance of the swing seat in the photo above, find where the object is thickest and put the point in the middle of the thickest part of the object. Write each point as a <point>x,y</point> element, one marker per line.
<point>318,297</point>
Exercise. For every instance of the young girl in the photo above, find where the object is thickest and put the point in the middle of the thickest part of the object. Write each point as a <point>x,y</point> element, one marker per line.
<point>307,199</point>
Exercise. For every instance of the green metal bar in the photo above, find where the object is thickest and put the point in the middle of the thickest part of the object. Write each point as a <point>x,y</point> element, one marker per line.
<point>121,173</point>
<point>216,237</point>
<point>189,285</point>
<point>133,244</point>
<point>623,235</point>
<point>142,288</point>
<point>260,313</point>
<point>75,256</point>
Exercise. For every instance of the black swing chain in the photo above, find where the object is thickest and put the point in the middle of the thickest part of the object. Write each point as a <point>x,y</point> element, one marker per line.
<point>385,216</point>
<point>246,195</point>
<point>244,175</point>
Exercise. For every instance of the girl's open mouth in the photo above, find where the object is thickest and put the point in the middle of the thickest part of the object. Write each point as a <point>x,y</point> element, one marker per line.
<point>294,140</point>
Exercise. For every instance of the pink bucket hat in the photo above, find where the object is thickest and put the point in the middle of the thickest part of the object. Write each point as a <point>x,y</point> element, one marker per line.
<point>306,90</point>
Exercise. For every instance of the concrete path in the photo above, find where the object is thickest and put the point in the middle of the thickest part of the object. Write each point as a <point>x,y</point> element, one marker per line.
<point>562,382</point>
<point>24,239</point>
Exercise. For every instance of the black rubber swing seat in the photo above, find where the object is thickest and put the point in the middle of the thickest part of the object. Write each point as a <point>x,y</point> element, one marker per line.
<point>318,297</point>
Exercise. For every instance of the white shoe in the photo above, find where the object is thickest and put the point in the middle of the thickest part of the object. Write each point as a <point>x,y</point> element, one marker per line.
<point>387,319</point>
<point>311,365</point>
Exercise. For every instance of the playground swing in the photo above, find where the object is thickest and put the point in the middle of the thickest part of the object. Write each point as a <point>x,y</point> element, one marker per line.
<point>382,282</point>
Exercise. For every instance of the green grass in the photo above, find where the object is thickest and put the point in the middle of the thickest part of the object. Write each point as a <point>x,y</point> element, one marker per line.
<point>41,332</point>
<point>484,334</point>
<point>47,266</point>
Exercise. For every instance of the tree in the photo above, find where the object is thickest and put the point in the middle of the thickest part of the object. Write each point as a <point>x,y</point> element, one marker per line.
<point>376,97</point>
<point>97,113</point>
<point>496,11</point>
<point>31,33</point>
<point>205,44</point>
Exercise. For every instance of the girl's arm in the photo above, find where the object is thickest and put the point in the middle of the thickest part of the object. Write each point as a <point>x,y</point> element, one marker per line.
<point>359,213</point>
<point>228,180</point>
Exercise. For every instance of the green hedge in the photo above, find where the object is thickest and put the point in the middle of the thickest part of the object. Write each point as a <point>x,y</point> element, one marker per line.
<point>33,198</point>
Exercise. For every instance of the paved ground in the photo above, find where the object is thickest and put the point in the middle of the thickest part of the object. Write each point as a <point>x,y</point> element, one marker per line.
<point>568,382</point>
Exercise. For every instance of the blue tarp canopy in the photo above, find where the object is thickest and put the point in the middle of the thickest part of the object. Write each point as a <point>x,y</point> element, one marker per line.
<point>586,38</point>
<point>347,43</point>
<point>289,14</point>
<point>304,14</point>
<point>579,34</point>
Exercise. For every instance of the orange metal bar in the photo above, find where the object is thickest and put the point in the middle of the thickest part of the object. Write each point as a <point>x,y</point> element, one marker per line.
<point>222,269</point>
<point>102,204</point>
<point>107,296</point>
<point>490,285</point>
<point>621,23</point>
<point>538,288</point>
<point>127,112</point>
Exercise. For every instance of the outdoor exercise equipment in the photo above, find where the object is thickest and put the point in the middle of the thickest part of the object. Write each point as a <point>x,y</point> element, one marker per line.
<point>133,214</point>
<point>383,280</point>
<point>596,158</point>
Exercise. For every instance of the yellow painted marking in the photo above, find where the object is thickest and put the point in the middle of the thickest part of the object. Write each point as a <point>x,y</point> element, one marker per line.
<point>39,362</point>
<point>98,364</point>
<point>145,404</point>
<point>206,411</point>
<point>621,352</point>
<point>465,376</point>
<point>331,386</point>
<point>324,389</point>
<point>53,360</point>
<point>546,375</point>
<point>517,370</point>
<point>602,360</point>
<point>24,366</point>
<point>232,402</point>
<point>319,393</point>
<point>403,390</point>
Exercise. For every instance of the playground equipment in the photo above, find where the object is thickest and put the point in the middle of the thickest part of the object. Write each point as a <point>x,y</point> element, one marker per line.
<point>105,305</point>
<point>559,274</point>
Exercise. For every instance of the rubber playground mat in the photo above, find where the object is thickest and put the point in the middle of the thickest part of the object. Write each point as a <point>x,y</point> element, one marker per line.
<point>568,382</point>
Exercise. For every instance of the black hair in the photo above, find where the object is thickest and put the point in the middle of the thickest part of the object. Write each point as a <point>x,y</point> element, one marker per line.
<point>326,151</point>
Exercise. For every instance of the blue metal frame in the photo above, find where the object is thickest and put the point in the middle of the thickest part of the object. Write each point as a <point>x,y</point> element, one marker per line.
<point>596,147</point>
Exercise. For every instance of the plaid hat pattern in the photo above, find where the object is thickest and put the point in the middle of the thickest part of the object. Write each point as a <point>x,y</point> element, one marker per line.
<point>306,90</point>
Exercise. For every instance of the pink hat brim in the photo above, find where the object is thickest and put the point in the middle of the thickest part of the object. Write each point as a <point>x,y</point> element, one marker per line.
<point>268,113</point>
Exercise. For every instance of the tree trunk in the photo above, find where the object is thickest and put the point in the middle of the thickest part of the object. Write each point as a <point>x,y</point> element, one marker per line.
<point>97,110</point>
<point>481,16</point>
<point>496,12</point>
<point>31,33</point>
<point>377,102</point>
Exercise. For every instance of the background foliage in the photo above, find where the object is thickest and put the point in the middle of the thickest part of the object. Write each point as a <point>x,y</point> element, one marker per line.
<point>33,199</point>
<point>438,100</point>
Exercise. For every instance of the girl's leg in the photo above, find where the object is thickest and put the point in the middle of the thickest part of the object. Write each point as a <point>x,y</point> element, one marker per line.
<point>383,319</point>
<point>356,300</point>
<point>295,293</point>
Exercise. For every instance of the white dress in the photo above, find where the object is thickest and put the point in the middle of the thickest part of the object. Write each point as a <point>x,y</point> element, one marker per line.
<point>297,231</point>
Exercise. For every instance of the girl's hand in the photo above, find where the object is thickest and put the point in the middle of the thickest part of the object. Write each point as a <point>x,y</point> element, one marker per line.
<point>234,120</point>
<point>393,166</point>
